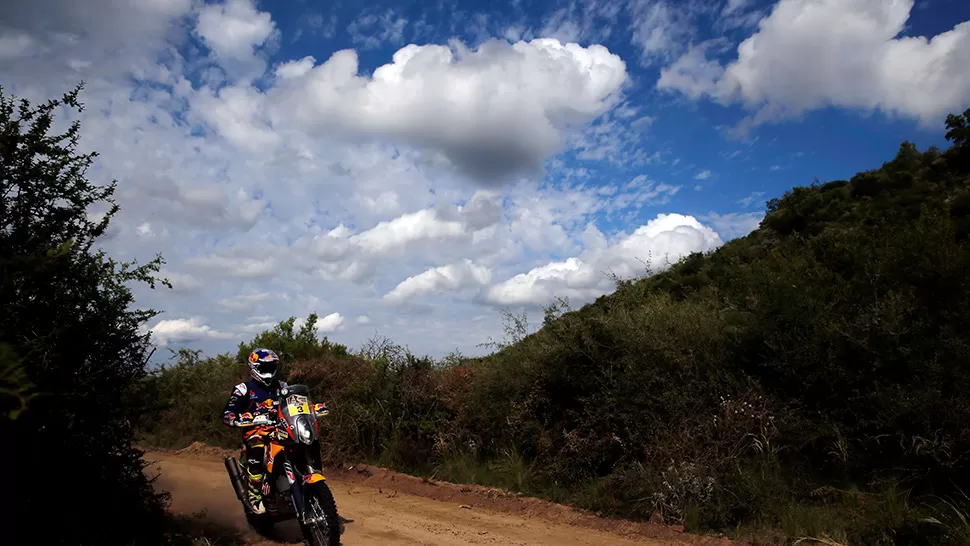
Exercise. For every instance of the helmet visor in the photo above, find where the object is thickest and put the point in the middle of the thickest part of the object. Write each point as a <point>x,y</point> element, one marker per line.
<point>264,368</point>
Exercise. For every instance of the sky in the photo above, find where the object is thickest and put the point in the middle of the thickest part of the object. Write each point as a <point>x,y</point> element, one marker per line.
<point>410,169</point>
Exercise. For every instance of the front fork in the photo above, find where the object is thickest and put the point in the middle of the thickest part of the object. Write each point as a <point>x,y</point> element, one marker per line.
<point>297,494</point>
<point>295,490</point>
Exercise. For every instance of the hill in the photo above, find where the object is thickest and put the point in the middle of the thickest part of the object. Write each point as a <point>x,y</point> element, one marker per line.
<point>809,379</point>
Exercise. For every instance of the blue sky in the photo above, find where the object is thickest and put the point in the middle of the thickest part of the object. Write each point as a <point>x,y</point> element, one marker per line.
<point>408,169</point>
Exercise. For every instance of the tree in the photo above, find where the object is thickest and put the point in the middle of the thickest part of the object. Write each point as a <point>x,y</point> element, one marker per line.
<point>957,129</point>
<point>68,316</point>
<point>958,132</point>
<point>291,345</point>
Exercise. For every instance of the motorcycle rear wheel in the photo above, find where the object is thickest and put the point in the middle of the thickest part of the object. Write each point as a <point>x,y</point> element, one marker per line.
<point>325,532</point>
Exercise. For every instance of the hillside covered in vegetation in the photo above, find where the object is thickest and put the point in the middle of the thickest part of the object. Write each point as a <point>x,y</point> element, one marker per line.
<point>809,379</point>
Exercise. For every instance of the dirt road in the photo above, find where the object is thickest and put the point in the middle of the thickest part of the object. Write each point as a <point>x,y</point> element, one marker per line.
<point>384,513</point>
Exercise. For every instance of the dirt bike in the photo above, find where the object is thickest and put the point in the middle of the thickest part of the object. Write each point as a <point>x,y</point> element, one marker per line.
<point>294,486</point>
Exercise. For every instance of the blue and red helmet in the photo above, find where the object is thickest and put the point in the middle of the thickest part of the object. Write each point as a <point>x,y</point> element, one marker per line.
<point>263,364</point>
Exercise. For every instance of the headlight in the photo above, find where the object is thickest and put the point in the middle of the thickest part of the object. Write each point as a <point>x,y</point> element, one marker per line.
<point>304,430</point>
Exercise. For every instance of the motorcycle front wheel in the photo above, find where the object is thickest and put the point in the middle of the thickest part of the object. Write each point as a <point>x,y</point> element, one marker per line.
<point>323,527</point>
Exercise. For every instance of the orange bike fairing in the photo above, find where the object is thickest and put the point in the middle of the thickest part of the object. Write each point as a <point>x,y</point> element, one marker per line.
<point>274,449</point>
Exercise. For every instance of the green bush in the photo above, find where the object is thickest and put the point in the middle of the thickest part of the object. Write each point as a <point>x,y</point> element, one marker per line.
<point>189,397</point>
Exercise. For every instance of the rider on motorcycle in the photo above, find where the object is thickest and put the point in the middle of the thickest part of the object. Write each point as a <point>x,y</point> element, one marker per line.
<point>251,405</point>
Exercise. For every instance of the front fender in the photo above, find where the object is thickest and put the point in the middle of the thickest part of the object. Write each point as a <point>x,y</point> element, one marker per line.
<point>313,478</point>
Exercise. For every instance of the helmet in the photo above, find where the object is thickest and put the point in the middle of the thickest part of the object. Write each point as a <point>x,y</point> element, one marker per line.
<point>263,364</point>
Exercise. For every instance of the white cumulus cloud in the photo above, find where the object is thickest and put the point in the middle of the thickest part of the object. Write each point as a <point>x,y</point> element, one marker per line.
<point>175,331</point>
<point>330,323</point>
<point>234,27</point>
<point>451,277</point>
<point>325,324</point>
<point>416,226</point>
<point>810,54</point>
<point>232,30</point>
<point>492,112</point>
<point>663,240</point>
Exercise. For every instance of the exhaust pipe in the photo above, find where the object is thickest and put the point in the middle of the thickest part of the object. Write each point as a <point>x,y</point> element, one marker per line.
<point>233,468</point>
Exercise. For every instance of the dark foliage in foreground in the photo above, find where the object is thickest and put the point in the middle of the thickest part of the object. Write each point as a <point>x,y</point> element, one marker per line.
<point>70,344</point>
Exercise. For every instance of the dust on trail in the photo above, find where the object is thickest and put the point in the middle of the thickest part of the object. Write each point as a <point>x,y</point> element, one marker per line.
<point>384,515</point>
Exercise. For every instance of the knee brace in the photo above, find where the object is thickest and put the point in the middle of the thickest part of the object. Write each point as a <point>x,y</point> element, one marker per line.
<point>255,452</point>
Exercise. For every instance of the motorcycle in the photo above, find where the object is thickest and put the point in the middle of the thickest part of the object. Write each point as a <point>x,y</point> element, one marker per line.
<point>294,486</point>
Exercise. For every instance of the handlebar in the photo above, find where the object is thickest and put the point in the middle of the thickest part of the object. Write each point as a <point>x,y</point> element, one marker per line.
<point>270,419</point>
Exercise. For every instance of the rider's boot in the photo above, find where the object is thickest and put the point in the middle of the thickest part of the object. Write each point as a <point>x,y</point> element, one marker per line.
<point>255,494</point>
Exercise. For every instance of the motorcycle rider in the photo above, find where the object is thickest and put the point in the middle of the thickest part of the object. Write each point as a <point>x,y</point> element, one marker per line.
<point>251,405</point>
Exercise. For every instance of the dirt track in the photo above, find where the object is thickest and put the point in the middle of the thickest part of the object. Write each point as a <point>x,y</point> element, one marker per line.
<point>393,509</point>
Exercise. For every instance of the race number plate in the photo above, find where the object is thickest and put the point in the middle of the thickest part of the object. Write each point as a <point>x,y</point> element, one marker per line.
<point>297,404</point>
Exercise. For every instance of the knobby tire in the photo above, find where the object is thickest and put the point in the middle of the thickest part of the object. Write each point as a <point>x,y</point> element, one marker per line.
<point>321,491</point>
